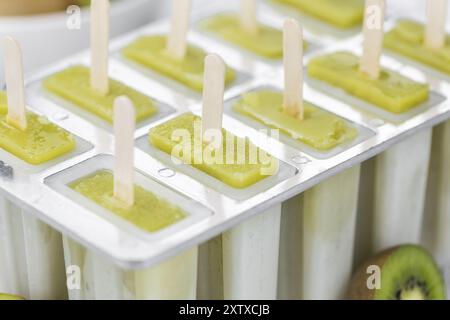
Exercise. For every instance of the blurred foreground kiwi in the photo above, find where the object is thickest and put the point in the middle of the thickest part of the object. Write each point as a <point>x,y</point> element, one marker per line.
<point>28,7</point>
<point>4,296</point>
<point>407,272</point>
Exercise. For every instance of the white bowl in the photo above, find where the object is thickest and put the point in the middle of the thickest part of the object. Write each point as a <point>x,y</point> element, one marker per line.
<point>46,38</point>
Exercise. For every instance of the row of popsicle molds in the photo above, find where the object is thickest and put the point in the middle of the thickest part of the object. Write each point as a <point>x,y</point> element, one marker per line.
<point>350,241</point>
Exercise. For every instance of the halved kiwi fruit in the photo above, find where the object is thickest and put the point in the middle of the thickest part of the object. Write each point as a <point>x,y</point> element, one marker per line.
<point>28,7</point>
<point>407,272</point>
<point>4,296</point>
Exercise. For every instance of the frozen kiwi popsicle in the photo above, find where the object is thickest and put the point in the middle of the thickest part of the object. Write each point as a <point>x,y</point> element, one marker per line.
<point>91,89</point>
<point>435,235</point>
<point>73,84</point>
<point>248,250</point>
<point>429,44</point>
<point>264,41</point>
<point>408,39</point>
<point>340,13</point>
<point>235,175</point>
<point>172,55</point>
<point>321,232</point>
<point>318,129</point>
<point>242,279</point>
<point>390,91</point>
<point>150,51</point>
<point>31,253</point>
<point>173,279</point>
<point>321,131</point>
<point>41,142</point>
<point>31,256</point>
<point>148,212</point>
<point>397,211</point>
<point>244,30</point>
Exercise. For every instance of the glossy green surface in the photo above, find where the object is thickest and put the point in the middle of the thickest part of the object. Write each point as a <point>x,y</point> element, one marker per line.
<point>318,129</point>
<point>408,38</point>
<point>391,91</point>
<point>240,172</point>
<point>73,84</point>
<point>149,212</point>
<point>150,51</point>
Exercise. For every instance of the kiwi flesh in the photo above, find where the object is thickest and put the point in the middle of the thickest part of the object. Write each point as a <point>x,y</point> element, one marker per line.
<point>408,272</point>
<point>4,296</point>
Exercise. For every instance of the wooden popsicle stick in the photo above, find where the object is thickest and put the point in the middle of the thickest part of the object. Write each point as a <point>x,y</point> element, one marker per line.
<point>435,27</point>
<point>177,42</point>
<point>14,84</point>
<point>293,68</point>
<point>213,90</point>
<point>124,126</point>
<point>373,37</point>
<point>99,45</point>
<point>248,16</point>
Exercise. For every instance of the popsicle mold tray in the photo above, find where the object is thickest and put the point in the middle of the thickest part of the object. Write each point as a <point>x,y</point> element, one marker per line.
<point>211,206</point>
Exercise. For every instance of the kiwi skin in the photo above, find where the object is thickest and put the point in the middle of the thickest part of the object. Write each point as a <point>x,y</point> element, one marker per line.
<point>30,7</point>
<point>358,286</point>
